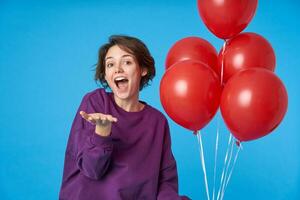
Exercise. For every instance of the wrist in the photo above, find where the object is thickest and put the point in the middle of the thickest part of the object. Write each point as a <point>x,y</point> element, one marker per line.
<point>102,131</point>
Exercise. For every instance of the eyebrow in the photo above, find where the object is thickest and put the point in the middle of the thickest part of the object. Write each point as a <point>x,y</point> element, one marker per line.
<point>126,55</point>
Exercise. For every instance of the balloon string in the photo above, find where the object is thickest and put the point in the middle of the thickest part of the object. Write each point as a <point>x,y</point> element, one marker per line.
<point>226,171</point>
<point>216,156</point>
<point>223,170</point>
<point>222,63</point>
<point>232,168</point>
<point>203,163</point>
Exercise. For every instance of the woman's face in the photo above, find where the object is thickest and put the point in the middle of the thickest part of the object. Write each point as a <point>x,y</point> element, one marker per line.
<point>123,73</point>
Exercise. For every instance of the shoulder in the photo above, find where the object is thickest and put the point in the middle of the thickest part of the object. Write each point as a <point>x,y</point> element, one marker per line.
<point>95,100</point>
<point>157,114</point>
<point>96,95</point>
<point>160,123</point>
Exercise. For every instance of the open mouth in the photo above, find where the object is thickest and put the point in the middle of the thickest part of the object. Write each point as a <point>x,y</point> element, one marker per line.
<point>121,82</point>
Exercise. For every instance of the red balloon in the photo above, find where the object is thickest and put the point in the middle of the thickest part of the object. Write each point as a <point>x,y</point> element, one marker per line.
<point>253,103</point>
<point>193,48</point>
<point>190,93</point>
<point>246,50</point>
<point>226,18</point>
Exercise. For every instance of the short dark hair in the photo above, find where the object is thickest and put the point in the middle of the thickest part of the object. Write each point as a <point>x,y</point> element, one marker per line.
<point>133,46</point>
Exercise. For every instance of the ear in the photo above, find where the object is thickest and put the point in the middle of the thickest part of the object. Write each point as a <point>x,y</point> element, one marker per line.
<point>144,71</point>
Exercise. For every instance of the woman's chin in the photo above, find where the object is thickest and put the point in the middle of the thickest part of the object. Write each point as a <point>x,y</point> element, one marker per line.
<point>121,93</point>
<point>125,92</point>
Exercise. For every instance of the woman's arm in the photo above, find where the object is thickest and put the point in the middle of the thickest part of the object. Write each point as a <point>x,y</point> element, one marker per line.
<point>95,157</point>
<point>168,178</point>
<point>87,151</point>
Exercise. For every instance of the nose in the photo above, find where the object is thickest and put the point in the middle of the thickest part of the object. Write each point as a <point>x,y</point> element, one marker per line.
<point>119,68</point>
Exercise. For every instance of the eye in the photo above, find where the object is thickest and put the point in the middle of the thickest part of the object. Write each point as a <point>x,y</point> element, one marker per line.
<point>127,62</point>
<point>108,65</point>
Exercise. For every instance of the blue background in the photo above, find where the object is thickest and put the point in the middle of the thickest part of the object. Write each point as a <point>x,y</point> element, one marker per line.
<point>48,49</point>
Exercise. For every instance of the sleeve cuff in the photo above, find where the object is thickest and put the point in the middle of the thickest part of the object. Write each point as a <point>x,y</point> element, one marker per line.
<point>100,140</point>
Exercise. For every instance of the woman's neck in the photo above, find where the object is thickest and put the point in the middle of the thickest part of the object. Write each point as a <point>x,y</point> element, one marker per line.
<point>129,105</point>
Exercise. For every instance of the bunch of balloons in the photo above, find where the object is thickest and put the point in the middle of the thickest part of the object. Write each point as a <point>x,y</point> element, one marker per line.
<point>240,78</point>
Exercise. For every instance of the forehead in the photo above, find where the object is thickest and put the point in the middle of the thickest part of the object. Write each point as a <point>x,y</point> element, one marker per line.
<point>115,52</point>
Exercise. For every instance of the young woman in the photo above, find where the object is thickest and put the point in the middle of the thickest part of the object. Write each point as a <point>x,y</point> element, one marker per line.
<point>119,147</point>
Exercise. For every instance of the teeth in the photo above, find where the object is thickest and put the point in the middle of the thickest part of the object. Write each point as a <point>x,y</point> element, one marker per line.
<point>120,78</point>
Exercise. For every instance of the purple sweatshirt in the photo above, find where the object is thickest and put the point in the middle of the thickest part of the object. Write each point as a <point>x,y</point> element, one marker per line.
<point>134,163</point>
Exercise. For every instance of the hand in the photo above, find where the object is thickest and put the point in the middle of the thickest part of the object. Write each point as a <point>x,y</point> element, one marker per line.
<point>102,121</point>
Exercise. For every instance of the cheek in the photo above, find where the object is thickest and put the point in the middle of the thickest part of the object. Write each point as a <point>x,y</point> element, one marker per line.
<point>137,78</point>
<point>107,75</point>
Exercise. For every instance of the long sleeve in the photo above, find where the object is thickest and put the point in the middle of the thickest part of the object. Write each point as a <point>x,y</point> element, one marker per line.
<point>95,157</point>
<point>168,178</point>
<point>87,152</point>
<point>117,167</point>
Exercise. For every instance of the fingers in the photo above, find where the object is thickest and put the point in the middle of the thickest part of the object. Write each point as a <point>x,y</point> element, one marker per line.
<point>94,117</point>
<point>104,117</point>
<point>84,115</point>
<point>87,117</point>
<point>111,118</point>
